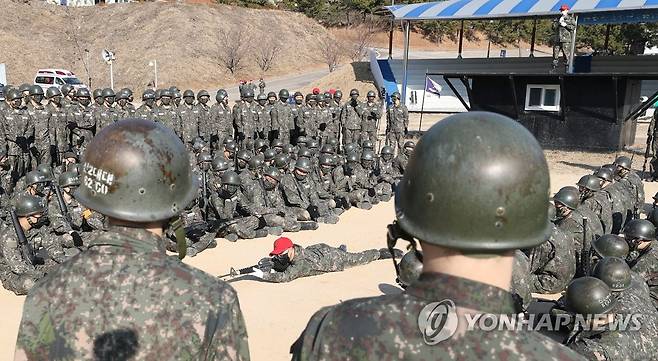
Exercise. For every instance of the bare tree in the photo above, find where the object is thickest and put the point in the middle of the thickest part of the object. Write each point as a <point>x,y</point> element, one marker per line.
<point>330,52</point>
<point>362,37</point>
<point>266,53</point>
<point>233,49</point>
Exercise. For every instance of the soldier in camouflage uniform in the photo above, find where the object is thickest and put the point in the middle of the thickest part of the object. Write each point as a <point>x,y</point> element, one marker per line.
<point>271,206</point>
<point>69,93</point>
<point>221,120</point>
<point>618,198</point>
<point>385,173</point>
<point>82,123</point>
<point>205,126</point>
<point>244,117</point>
<point>107,114</point>
<point>571,222</point>
<point>122,109</point>
<point>388,326</point>
<point>66,300</point>
<point>397,121</point>
<point>6,183</point>
<point>229,211</point>
<point>563,28</point>
<point>643,258</point>
<point>189,117</point>
<point>166,113</point>
<point>630,180</point>
<point>83,220</point>
<point>263,118</point>
<point>596,201</point>
<point>296,109</point>
<point>18,130</point>
<point>147,110</point>
<point>591,296</point>
<point>400,161</point>
<point>335,107</point>
<point>18,272</point>
<point>351,118</point>
<point>283,121</point>
<point>372,112</point>
<point>97,99</point>
<point>291,261</point>
<point>37,111</point>
<point>57,119</point>
<point>552,263</point>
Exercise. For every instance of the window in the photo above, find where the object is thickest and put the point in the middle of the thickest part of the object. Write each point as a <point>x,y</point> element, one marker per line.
<point>543,98</point>
<point>59,81</point>
<point>44,80</point>
<point>72,81</point>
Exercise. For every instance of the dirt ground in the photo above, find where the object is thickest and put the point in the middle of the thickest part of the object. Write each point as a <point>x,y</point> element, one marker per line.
<point>275,314</point>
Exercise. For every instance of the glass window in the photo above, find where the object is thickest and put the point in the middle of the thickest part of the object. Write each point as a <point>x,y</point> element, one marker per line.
<point>534,97</point>
<point>59,81</point>
<point>72,81</point>
<point>550,97</point>
<point>44,80</point>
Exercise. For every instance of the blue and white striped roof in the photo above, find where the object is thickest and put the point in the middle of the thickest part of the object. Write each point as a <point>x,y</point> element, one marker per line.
<point>491,9</point>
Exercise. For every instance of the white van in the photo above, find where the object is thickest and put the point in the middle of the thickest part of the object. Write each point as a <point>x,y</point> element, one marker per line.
<point>46,78</point>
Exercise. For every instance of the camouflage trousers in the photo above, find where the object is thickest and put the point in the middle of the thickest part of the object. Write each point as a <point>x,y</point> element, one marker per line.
<point>565,49</point>
<point>287,222</point>
<point>340,260</point>
<point>244,227</point>
<point>395,140</point>
<point>20,284</point>
<point>351,136</point>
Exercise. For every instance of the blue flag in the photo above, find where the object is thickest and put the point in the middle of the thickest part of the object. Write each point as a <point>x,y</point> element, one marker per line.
<point>432,87</point>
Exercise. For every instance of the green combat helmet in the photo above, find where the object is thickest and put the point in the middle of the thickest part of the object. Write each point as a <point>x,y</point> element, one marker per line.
<point>589,296</point>
<point>440,199</point>
<point>69,179</point>
<point>590,182</point>
<point>284,94</point>
<point>136,170</point>
<point>27,205</point>
<point>411,266</point>
<point>568,196</point>
<point>610,245</point>
<point>615,272</point>
<point>640,229</point>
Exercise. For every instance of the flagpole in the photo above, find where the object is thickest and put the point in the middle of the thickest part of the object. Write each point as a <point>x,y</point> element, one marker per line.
<point>422,104</point>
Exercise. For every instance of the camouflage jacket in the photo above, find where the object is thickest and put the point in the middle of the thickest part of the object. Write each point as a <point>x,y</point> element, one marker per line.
<point>168,116</point>
<point>552,263</point>
<point>221,120</point>
<point>371,114</point>
<point>190,123</point>
<point>601,205</point>
<point>397,118</point>
<point>83,124</point>
<point>204,119</point>
<point>18,130</point>
<point>40,118</point>
<point>282,117</point>
<point>263,119</point>
<point>126,291</point>
<point>317,259</point>
<point>645,263</point>
<point>145,112</point>
<point>351,115</point>
<point>387,327</point>
<point>58,126</point>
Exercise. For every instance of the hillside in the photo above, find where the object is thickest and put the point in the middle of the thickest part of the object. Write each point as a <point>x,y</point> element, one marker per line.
<point>181,37</point>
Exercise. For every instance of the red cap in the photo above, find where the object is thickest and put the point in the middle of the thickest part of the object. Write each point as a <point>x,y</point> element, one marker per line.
<point>316,91</point>
<point>564,7</point>
<point>281,245</point>
<point>332,91</point>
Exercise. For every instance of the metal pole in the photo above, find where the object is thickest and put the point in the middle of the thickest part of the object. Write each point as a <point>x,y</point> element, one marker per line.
<point>488,48</point>
<point>606,43</point>
<point>532,40</point>
<point>155,68</point>
<point>573,45</point>
<point>461,39</point>
<point>405,61</point>
<point>390,36</point>
<point>111,75</point>
<point>422,105</point>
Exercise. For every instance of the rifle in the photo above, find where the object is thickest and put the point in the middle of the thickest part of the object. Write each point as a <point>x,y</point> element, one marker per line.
<point>26,249</point>
<point>204,180</point>
<point>265,265</point>
<point>649,141</point>
<point>584,253</point>
<point>61,204</point>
